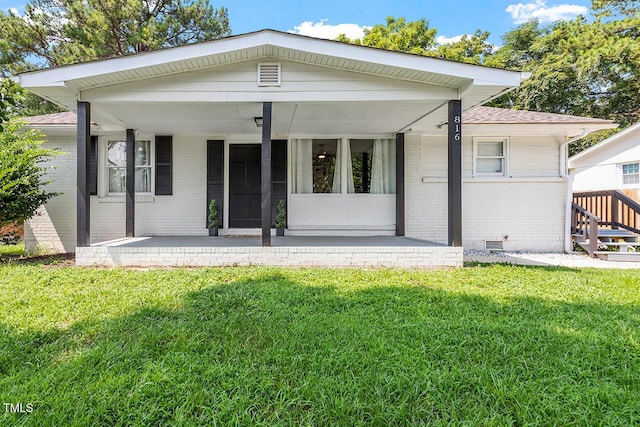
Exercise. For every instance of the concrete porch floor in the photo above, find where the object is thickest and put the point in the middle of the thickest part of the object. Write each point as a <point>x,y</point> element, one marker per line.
<point>295,251</point>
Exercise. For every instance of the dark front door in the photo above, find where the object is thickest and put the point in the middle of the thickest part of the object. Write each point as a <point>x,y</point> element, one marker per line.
<point>244,186</point>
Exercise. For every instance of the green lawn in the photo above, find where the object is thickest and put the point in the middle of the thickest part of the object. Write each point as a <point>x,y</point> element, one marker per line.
<point>11,250</point>
<point>485,345</point>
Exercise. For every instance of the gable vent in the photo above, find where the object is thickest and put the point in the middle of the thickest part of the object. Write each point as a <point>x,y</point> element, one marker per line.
<point>493,245</point>
<point>268,74</point>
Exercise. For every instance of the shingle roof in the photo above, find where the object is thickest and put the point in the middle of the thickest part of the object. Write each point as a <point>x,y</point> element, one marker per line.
<point>66,118</point>
<point>487,115</point>
<point>477,115</point>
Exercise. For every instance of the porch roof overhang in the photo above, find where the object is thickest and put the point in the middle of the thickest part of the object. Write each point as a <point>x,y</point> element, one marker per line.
<point>437,81</point>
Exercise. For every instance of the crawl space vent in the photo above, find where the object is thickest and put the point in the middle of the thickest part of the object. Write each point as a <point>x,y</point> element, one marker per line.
<point>493,245</point>
<point>268,74</point>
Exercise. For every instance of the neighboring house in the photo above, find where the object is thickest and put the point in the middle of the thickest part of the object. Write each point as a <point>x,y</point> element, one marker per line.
<point>363,141</point>
<point>612,164</point>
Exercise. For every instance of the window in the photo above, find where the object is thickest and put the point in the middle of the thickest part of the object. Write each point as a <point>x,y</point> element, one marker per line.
<point>361,156</point>
<point>117,166</point>
<point>631,174</point>
<point>326,178</point>
<point>343,166</point>
<point>490,156</point>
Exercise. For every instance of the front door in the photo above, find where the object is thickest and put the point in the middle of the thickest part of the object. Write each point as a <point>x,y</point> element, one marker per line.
<point>244,186</point>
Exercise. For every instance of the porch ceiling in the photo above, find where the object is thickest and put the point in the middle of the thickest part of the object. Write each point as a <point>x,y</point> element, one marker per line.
<point>319,118</point>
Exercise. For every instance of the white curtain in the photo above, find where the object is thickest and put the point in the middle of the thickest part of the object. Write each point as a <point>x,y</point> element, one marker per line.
<point>383,168</point>
<point>337,177</point>
<point>303,156</point>
<point>346,146</point>
<point>343,156</point>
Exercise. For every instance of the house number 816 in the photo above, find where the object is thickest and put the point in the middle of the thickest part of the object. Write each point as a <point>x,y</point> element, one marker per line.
<point>456,135</point>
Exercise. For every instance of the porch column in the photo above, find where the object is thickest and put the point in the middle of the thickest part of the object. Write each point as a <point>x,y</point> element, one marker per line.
<point>130,200</point>
<point>83,200</point>
<point>400,184</point>
<point>455,172</point>
<point>266,174</point>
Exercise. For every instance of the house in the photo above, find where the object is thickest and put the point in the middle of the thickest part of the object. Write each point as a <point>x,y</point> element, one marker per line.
<point>612,164</point>
<point>359,142</point>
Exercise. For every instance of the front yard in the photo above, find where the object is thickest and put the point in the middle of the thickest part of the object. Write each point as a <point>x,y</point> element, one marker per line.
<point>489,345</point>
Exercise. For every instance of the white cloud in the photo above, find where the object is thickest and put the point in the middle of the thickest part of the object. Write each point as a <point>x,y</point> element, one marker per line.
<point>448,40</point>
<point>523,12</point>
<point>323,30</point>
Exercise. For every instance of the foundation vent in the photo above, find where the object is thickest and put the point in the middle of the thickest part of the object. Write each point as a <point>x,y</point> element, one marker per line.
<point>494,245</point>
<point>268,74</point>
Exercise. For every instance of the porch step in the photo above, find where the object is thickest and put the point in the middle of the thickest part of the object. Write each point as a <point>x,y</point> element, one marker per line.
<point>618,256</point>
<point>607,235</point>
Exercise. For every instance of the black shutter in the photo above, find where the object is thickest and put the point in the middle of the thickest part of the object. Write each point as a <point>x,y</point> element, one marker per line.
<point>93,166</point>
<point>164,158</point>
<point>278,176</point>
<point>215,178</point>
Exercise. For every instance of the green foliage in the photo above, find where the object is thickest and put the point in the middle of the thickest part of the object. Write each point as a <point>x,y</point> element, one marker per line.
<point>12,250</point>
<point>489,345</point>
<point>281,216</point>
<point>591,139</point>
<point>398,34</point>
<point>57,32</point>
<point>21,173</point>
<point>214,222</point>
<point>7,100</point>
<point>578,67</point>
<point>472,49</point>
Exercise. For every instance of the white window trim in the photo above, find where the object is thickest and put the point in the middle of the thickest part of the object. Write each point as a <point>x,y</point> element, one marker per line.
<point>621,175</point>
<point>505,141</point>
<point>103,172</point>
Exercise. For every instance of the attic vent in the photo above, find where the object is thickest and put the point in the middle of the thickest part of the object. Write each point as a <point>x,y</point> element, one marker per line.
<point>268,74</point>
<point>493,245</point>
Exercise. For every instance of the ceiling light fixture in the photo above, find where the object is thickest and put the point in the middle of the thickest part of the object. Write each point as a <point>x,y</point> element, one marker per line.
<point>322,154</point>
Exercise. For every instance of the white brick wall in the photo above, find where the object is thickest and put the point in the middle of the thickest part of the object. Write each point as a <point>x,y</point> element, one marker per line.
<point>54,228</point>
<point>404,257</point>
<point>528,207</point>
<point>183,213</point>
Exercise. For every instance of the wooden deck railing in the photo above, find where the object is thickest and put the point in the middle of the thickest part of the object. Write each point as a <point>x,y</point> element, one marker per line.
<point>584,225</point>
<point>615,209</point>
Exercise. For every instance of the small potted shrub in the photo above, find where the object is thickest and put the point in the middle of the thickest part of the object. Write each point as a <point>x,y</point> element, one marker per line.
<point>213,218</point>
<point>281,219</point>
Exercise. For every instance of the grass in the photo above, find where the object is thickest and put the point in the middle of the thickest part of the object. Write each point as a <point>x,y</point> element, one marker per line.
<point>486,345</point>
<point>12,250</point>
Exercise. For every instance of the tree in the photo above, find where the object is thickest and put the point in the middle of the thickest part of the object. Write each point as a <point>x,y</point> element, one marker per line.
<point>7,100</point>
<point>21,173</point>
<point>398,34</point>
<point>474,49</point>
<point>59,32</point>
<point>578,67</point>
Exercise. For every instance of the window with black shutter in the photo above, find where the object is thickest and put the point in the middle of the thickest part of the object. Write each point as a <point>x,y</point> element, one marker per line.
<point>164,157</point>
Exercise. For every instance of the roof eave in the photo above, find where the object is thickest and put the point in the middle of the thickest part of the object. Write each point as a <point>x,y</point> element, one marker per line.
<point>58,77</point>
<point>605,143</point>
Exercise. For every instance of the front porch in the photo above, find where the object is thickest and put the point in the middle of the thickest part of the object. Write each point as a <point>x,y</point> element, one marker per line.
<point>296,251</point>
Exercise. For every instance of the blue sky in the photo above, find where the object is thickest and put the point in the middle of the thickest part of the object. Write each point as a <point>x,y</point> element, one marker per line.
<point>328,18</point>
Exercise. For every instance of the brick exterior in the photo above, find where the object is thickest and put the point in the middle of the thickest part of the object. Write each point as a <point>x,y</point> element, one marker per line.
<point>404,257</point>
